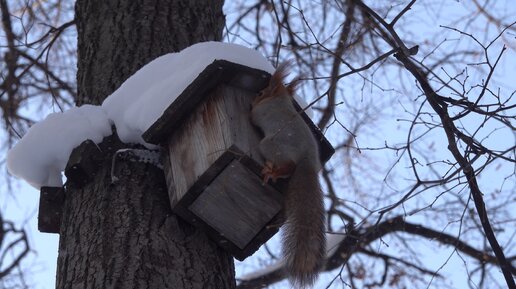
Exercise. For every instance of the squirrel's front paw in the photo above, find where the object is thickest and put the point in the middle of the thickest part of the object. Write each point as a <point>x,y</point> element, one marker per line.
<point>268,172</point>
<point>274,172</point>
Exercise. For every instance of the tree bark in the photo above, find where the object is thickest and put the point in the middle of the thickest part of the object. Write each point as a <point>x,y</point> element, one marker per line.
<point>122,234</point>
<point>118,37</point>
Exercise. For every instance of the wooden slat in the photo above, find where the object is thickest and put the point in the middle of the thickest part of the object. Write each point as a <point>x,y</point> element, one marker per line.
<point>83,163</point>
<point>249,175</point>
<point>219,72</point>
<point>218,123</point>
<point>326,150</point>
<point>195,146</point>
<point>241,132</point>
<point>50,208</point>
<point>237,205</point>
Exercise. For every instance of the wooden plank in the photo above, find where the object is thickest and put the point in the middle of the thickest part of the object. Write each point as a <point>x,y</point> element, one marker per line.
<point>242,133</point>
<point>195,145</point>
<point>326,150</point>
<point>169,176</point>
<point>181,208</point>
<point>219,72</point>
<point>83,163</point>
<point>249,80</point>
<point>237,205</point>
<point>182,204</point>
<point>50,208</point>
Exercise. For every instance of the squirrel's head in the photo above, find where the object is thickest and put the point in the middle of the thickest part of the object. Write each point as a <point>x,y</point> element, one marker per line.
<point>276,87</point>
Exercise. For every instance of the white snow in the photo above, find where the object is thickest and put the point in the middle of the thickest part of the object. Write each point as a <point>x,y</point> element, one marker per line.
<point>41,155</point>
<point>333,241</point>
<point>278,265</point>
<point>141,100</point>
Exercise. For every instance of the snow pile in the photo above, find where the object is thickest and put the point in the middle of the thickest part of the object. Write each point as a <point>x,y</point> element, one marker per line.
<point>142,99</point>
<point>333,241</point>
<point>41,155</point>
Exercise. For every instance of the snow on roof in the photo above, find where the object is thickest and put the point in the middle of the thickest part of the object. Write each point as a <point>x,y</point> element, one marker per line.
<point>41,155</point>
<point>162,80</point>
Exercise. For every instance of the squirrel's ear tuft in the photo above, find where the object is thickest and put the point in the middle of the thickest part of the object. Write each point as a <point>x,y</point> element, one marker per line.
<point>293,85</point>
<point>282,71</point>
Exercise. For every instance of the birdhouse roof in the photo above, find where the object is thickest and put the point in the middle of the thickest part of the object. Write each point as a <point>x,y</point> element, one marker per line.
<point>218,72</point>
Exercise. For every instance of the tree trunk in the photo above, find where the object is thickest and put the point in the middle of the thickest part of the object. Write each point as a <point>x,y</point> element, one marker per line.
<point>118,37</point>
<point>122,234</point>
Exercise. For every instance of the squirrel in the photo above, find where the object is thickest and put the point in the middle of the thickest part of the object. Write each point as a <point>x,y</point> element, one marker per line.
<point>291,151</point>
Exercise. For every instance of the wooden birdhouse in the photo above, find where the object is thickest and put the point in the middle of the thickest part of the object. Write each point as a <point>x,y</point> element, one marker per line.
<point>211,160</point>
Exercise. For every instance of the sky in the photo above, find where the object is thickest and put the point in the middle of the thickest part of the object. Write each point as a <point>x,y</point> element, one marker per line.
<point>22,206</point>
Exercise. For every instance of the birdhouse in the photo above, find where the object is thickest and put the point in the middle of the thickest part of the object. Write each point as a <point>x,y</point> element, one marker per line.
<point>211,159</point>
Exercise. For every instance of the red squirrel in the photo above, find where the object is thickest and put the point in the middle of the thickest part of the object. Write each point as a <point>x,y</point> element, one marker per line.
<point>291,151</point>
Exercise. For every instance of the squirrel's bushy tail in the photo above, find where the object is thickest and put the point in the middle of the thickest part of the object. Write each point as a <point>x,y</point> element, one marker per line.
<point>304,240</point>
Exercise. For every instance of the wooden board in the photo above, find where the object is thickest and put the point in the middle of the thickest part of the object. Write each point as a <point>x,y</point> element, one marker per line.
<point>221,72</point>
<point>50,206</point>
<point>195,146</point>
<point>326,150</point>
<point>237,204</point>
<point>83,163</point>
<point>246,194</point>
<point>216,124</point>
<point>215,74</point>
